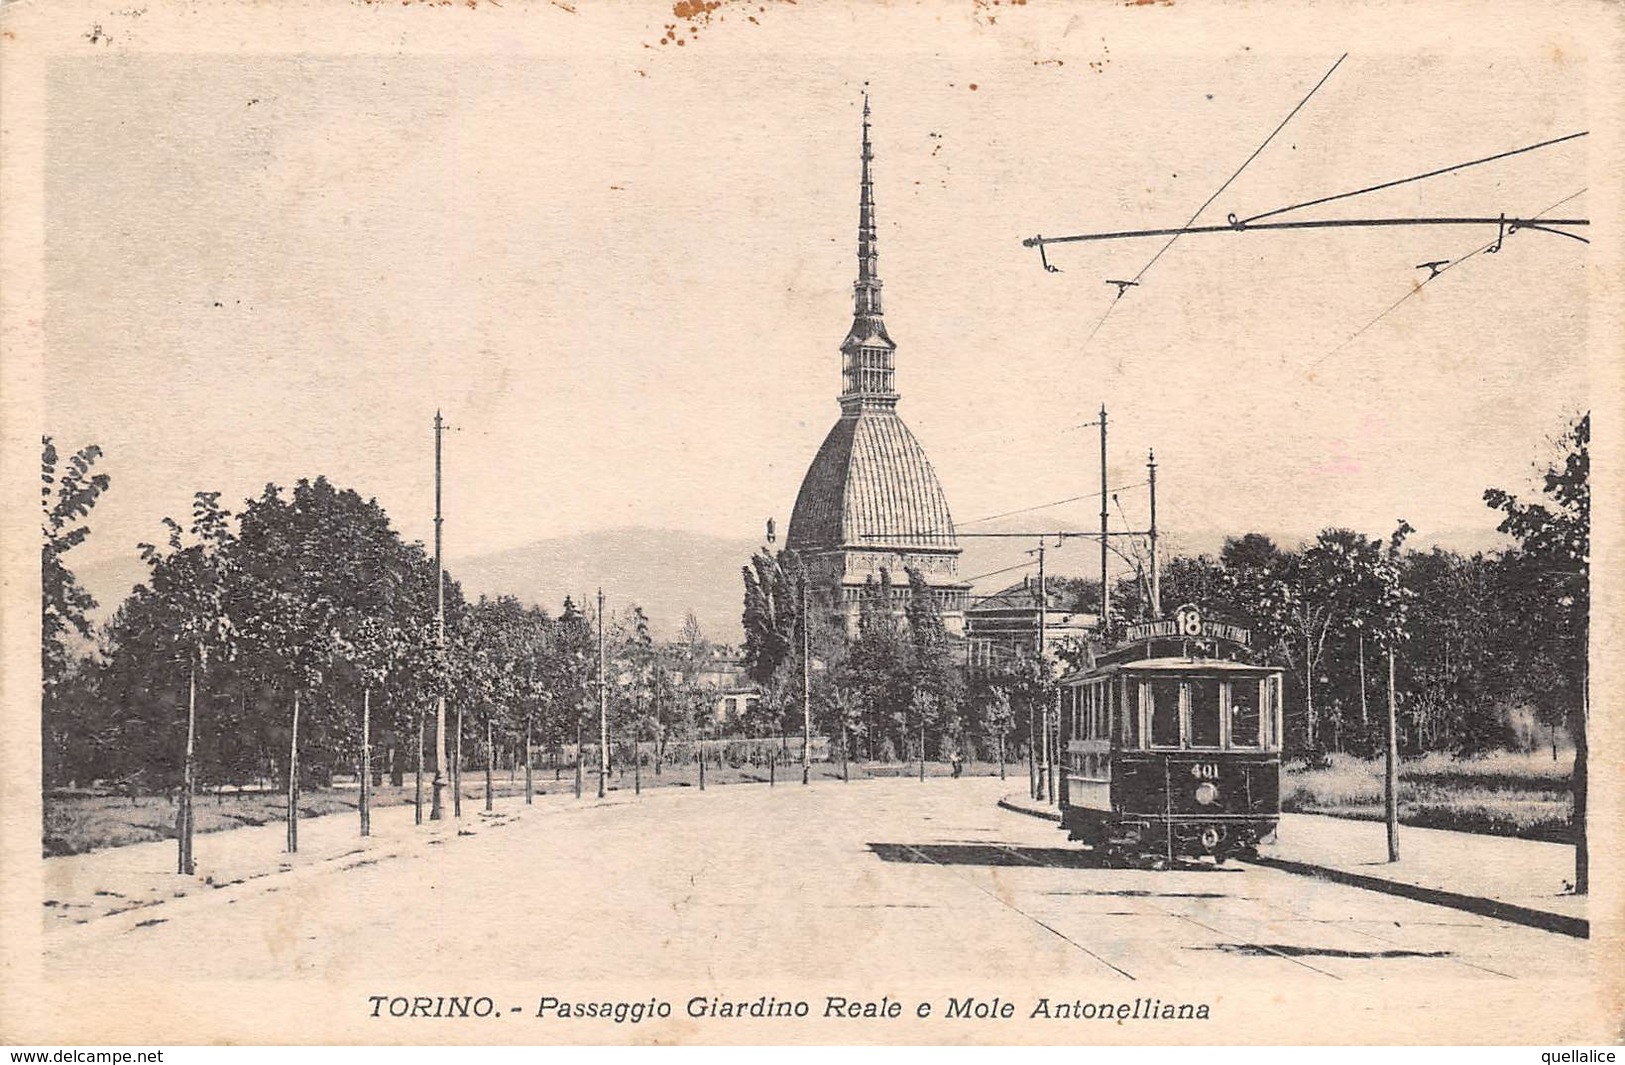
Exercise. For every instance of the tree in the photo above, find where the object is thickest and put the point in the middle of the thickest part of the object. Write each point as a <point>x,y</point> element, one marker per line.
<point>1391,604</point>
<point>995,719</point>
<point>572,674</point>
<point>1553,568</point>
<point>877,666</point>
<point>67,495</point>
<point>309,563</point>
<point>931,663</point>
<point>772,612</point>
<point>187,591</point>
<point>843,714</point>
<point>1292,597</point>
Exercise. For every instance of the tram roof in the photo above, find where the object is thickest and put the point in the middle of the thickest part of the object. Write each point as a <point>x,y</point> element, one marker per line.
<point>1177,664</point>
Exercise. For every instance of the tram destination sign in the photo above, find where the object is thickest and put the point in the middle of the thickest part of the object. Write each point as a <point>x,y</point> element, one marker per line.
<point>1188,623</point>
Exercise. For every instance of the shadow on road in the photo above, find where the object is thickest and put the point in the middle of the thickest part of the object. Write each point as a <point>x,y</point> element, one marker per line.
<point>983,854</point>
<point>1260,950</point>
<point>1129,893</point>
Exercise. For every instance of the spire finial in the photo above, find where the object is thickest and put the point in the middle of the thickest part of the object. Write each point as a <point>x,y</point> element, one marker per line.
<point>867,352</point>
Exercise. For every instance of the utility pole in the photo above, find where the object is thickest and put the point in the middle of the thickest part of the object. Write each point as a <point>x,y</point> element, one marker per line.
<point>1105,587</point>
<point>806,687</point>
<point>1043,636</point>
<point>436,803</point>
<point>603,705</point>
<point>1390,776</point>
<point>1156,572</point>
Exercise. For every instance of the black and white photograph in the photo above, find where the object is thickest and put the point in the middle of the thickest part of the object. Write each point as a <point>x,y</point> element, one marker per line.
<point>754,522</point>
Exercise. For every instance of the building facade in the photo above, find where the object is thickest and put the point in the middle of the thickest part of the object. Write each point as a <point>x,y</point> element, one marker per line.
<point>871,499</point>
<point>1004,628</point>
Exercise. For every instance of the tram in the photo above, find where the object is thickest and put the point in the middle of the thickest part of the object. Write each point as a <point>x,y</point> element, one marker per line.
<point>1171,750</point>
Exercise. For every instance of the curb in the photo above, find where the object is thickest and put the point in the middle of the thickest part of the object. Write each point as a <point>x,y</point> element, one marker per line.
<point>1512,913</point>
<point>1495,909</point>
<point>1006,804</point>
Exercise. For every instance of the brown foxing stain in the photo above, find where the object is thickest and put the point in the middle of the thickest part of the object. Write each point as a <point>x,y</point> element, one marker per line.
<point>700,14</point>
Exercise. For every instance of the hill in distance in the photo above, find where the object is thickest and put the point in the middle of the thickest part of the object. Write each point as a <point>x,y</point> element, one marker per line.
<point>667,572</point>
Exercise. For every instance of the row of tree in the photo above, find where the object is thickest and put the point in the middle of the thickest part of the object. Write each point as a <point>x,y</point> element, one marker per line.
<point>1490,648</point>
<point>297,640</point>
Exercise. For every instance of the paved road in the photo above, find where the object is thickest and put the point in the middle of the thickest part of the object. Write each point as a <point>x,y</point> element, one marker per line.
<point>879,882</point>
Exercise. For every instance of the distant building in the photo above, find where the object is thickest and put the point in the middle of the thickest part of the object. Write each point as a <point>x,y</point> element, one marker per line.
<point>870,499</point>
<point>722,674</point>
<point>1004,627</point>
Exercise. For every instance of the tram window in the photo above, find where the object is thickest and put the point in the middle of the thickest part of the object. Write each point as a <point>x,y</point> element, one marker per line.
<point>1204,713</point>
<point>1245,718</point>
<point>1164,695</point>
<point>1129,714</point>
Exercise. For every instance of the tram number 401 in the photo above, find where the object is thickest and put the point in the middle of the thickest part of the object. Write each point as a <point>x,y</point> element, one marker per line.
<point>1205,771</point>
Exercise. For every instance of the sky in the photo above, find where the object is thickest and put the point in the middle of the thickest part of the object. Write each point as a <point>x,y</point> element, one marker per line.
<point>623,271</point>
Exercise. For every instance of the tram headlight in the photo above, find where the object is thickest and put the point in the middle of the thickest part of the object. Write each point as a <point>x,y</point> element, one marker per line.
<point>1207,793</point>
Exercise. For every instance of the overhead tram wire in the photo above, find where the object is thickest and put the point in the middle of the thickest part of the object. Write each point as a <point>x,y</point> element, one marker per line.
<point>995,573</point>
<point>1057,503</point>
<point>1417,287</point>
<point>1414,177</point>
<point>1209,201</point>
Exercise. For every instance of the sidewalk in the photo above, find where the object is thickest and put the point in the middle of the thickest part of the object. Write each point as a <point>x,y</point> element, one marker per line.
<point>121,887</point>
<point>1516,880</point>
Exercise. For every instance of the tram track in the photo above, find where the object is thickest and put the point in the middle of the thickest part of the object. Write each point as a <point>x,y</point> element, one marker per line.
<point>1386,941</point>
<point>1266,948</point>
<point>1040,922</point>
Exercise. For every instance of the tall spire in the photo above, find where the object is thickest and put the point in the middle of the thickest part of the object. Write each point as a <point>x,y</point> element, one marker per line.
<point>868,288</point>
<point>867,376</point>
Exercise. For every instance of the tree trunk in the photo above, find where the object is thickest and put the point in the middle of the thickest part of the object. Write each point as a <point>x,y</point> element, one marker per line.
<point>293,779</point>
<point>578,758</point>
<point>1582,757</point>
<point>1032,756</point>
<point>366,761</point>
<point>183,814</point>
<point>490,756</point>
<point>457,767</point>
<point>1000,744</point>
<point>417,788</point>
<point>530,780</point>
<point>1390,782</point>
<point>1052,748</point>
<point>1365,716</point>
<point>1308,693</point>
<point>922,748</point>
<point>844,773</point>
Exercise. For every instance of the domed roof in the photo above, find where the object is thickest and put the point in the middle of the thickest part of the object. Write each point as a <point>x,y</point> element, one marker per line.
<point>871,486</point>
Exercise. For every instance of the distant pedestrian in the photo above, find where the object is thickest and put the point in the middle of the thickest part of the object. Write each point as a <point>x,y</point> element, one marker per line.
<point>958,765</point>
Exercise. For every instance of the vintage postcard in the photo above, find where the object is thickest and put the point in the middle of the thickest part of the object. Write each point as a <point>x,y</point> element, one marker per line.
<point>758,522</point>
